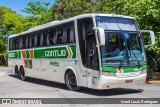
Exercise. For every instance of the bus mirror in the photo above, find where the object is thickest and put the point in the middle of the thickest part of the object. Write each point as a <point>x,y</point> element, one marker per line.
<point>149,37</point>
<point>101,35</point>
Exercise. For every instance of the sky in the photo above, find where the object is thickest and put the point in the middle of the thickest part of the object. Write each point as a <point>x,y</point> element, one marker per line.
<point>17,5</point>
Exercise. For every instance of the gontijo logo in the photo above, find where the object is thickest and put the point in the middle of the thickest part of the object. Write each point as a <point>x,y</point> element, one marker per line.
<point>59,52</point>
<point>55,53</point>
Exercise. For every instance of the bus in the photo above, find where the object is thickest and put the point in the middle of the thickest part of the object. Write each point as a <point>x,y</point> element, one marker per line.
<point>98,51</point>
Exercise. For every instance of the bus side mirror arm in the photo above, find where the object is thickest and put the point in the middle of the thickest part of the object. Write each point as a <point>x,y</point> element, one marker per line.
<point>101,35</point>
<point>151,35</point>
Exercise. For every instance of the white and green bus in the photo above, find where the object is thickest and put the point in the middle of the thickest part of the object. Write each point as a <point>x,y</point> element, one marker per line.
<point>98,51</point>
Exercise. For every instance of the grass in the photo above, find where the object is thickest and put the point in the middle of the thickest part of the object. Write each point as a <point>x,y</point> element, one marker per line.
<point>154,82</point>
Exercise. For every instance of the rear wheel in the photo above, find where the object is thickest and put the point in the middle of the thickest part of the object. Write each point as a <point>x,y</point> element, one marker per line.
<point>17,72</point>
<point>22,74</point>
<point>71,81</point>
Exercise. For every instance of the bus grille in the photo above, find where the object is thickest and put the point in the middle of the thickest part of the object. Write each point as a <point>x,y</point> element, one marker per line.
<point>130,74</point>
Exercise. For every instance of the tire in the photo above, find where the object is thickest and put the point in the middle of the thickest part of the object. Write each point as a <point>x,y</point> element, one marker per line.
<point>71,81</point>
<point>17,72</point>
<point>22,74</point>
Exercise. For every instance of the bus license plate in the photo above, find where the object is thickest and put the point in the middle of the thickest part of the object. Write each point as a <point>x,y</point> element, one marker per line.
<point>128,81</point>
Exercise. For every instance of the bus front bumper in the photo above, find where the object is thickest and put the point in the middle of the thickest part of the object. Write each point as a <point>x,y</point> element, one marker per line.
<point>107,82</point>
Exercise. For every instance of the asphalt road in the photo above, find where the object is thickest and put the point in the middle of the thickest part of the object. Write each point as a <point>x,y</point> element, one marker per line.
<point>11,87</point>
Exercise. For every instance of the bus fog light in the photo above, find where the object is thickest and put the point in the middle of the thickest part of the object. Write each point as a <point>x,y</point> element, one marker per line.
<point>109,74</point>
<point>143,71</point>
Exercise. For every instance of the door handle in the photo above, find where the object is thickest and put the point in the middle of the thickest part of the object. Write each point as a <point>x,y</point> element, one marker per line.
<point>84,75</point>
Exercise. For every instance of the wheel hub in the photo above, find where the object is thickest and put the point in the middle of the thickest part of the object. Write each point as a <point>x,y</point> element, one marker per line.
<point>72,80</point>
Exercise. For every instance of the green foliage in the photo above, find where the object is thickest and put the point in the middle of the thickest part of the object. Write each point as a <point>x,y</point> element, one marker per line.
<point>153,55</point>
<point>3,46</point>
<point>145,11</point>
<point>1,17</point>
<point>40,13</point>
<point>10,22</point>
<point>36,8</point>
<point>63,9</point>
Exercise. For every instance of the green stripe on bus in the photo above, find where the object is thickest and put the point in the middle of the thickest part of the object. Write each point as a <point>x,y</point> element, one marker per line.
<point>73,48</point>
<point>27,54</point>
<point>30,63</point>
<point>125,70</point>
<point>16,54</point>
<point>64,52</point>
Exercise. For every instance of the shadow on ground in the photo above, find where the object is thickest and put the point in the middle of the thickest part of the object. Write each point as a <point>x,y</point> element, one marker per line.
<point>107,92</point>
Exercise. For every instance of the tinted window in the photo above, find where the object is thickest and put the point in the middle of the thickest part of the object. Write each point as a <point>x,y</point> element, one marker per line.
<point>61,34</point>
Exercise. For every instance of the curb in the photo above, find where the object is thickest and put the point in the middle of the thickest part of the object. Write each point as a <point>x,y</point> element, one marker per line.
<point>4,69</point>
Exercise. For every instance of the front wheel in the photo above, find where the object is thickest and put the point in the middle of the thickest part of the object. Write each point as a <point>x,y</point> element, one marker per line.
<point>71,81</point>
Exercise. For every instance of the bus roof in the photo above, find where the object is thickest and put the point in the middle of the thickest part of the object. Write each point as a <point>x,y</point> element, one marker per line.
<point>58,22</point>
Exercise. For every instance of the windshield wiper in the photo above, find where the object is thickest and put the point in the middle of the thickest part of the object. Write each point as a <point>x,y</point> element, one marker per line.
<point>135,56</point>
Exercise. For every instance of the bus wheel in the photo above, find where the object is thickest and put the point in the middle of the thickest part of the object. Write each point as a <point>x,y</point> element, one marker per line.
<point>17,72</point>
<point>71,81</point>
<point>22,74</point>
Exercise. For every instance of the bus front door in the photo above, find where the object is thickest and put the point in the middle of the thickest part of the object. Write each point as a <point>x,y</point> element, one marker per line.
<point>92,60</point>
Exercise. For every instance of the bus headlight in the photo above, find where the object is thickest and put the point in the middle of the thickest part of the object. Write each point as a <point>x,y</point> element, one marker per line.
<point>109,74</point>
<point>143,71</point>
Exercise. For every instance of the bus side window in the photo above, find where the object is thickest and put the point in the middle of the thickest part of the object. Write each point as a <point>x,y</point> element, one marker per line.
<point>16,43</point>
<point>55,37</point>
<point>30,41</point>
<point>41,39</point>
<point>48,39</point>
<point>59,38</point>
<point>26,42</point>
<point>35,40</point>
<point>21,42</point>
<point>64,36</point>
<point>10,44</point>
<point>13,47</point>
<point>71,34</point>
<point>50,36</point>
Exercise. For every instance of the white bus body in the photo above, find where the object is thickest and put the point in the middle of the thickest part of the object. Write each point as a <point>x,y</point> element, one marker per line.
<point>70,51</point>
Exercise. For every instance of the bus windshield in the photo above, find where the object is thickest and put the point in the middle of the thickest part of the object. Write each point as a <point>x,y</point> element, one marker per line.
<point>122,49</point>
<point>124,46</point>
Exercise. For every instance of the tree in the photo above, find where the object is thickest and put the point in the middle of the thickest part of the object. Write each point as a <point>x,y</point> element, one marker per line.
<point>36,8</point>
<point>11,22</point>
<point>2,44</point>
<point>1,17</point>
<point>63,9</point>
<point>3,52</point>
<point>39,12</point>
